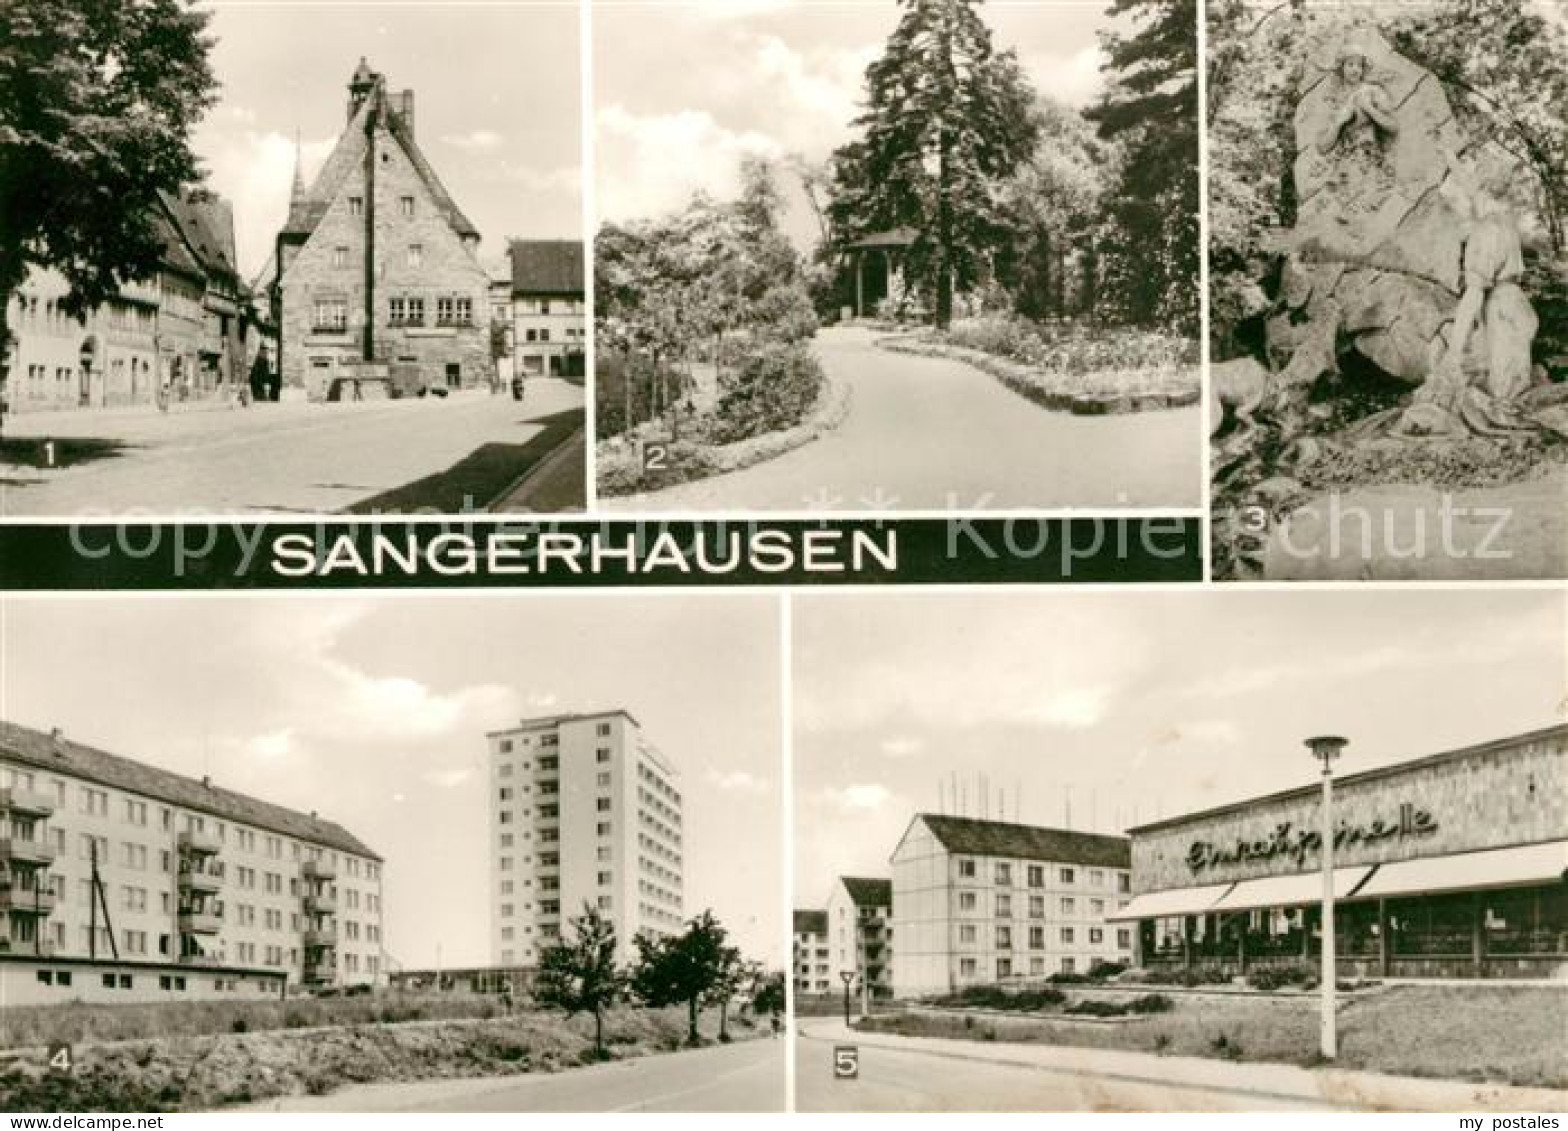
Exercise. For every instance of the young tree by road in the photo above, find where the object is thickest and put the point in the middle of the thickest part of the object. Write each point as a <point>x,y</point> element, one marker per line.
<point>681,969</point>
<point>579,975</point>
<point>97,102</point>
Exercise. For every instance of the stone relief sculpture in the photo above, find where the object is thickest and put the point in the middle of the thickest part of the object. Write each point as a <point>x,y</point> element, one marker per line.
<point>1402,252</point>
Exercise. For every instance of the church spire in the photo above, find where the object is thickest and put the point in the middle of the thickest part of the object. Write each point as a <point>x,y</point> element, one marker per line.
<point>297,192</point>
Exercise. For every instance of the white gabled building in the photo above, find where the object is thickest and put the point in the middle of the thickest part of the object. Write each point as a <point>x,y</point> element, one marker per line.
<point>981,902</point>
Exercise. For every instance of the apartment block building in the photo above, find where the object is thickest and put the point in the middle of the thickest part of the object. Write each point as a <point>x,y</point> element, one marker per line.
<point>585,812</point>
<point>549,328</point>
<point>860,934</point>
<point>983,902</point>
<point>121,881</point>
<point>812,974</point>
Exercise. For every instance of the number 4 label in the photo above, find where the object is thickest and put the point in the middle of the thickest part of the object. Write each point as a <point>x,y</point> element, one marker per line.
<point>846,1062</point>
<point>60,1059</point>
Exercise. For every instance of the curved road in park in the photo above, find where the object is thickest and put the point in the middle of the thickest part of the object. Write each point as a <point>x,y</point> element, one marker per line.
<point>935,434</point>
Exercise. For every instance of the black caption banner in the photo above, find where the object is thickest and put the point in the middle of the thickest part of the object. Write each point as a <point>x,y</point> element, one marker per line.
<point>580,553</point>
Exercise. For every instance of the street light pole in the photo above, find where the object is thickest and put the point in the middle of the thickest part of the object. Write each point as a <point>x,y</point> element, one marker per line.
<point>848,978</point>
<point>1326,749</point>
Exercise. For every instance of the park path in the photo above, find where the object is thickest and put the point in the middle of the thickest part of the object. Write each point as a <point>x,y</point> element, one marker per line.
<point>935,434</point>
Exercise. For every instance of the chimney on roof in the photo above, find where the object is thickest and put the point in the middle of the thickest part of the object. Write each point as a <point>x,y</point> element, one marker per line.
<point>55,734</point>
<point>405,110</point>
<point>206,780</point>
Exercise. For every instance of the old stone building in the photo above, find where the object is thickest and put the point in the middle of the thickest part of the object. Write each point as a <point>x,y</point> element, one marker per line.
<point>185,327</point>
<point>379,290</point>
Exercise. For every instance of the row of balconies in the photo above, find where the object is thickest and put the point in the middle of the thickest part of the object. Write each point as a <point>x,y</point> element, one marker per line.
<point>23,852</point>
<point>26,802</point>
<point>15,899</point>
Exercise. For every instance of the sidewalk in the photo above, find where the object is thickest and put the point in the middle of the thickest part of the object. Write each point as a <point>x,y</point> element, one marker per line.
<point>1341,1088</point>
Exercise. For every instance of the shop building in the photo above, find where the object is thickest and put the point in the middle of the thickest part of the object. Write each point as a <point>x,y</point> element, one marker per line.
<point>1446,866</point>
<point>121,881</point>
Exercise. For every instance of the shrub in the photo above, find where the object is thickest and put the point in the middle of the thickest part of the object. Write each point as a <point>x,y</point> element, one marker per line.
<point>1277,977</point>
<point>1102,970</point>
<point>1067,978</point>
<point>773,389</point>
<point>1151,1003</point>
<point>1098,1009</point>
<point>1023,1000</point>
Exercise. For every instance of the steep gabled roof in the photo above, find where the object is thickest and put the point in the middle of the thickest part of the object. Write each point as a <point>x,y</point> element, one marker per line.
<point>867,892</point>
<point>975,837</point>
<point>306,211</point>
<point>811,922</point>
<point>547,267</point>
<point>60,755</point>
<point>200,235</point>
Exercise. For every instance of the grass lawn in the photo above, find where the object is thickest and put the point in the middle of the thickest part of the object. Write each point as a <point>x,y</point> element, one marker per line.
<point>1496,1034</point>
<point>76,1023</point>
<point>188,1057</point>
<point>478,480</point>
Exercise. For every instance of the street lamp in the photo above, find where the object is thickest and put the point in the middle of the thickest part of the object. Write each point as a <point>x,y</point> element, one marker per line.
<point>848,978</point>
<point>1325,749</point>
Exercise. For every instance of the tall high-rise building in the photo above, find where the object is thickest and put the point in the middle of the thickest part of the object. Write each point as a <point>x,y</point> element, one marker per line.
<point>121,881</point>
<point>584,812</point>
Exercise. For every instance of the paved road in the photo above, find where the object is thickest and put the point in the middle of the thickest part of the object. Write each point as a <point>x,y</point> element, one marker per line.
<point>915,1079</point>
<point>934,434</point>
<point>290,457</point>
<point>746,1076</point>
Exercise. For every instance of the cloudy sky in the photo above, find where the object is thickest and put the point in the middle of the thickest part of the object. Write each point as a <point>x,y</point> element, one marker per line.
<point>374,712</point>
<point>772,77</point>
<point>1124,707</point>
<point>497,95</point>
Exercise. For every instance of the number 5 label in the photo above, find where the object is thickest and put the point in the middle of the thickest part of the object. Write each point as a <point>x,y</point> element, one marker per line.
<point>846,1062</point>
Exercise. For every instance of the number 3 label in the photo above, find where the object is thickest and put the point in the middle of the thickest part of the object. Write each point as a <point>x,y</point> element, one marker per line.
<point>846,1062</point>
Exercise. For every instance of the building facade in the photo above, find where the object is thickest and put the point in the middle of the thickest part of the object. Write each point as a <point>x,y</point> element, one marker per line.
<point>860,934</point>
<point>985,902</point>
<point>120,881</point>
<point>585,812</point>
<point>1450,865</point>
<point>813,976</point>
<point>549,308</point>
<point>184,328</point>
<point>379,290</point>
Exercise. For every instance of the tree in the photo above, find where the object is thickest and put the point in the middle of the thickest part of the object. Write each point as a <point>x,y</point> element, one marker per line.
<point>580,975</point>
<point>767,994</point>
<point>681,969</point>
<point>731,975</point>
<point>1054,204</point>
<point>1151,107</point>
<point>948,119</point>
<point>97,101</point>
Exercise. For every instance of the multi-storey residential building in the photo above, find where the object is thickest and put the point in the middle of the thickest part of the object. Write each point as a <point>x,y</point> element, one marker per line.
<point>549,308</point>
<point>121,881</point>
<point>379,288</point>
<point>812,974</point>
<point>979,902</point>
<point>860,934</point>
<point>585,812</point>
<point>186,326</point>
